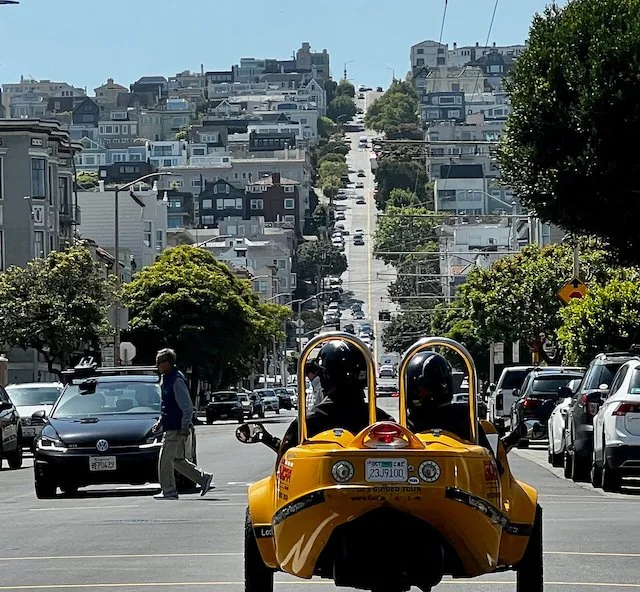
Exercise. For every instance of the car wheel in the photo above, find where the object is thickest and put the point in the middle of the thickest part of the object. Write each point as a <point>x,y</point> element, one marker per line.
<point>278,411</point>
<point>209,420</point>
<point>69,490</point>
<point>567,464</point>
<point>596,472</point>
<point>557,459</point>
<point>257,576</point>
<point>523,443</point>
<point>529,572</point>
<point>241,419</point>
<point>45,488</point>
<point>15,458</point>
<point>580,469</point>
<point>611,479</point>
<point>261,414</point>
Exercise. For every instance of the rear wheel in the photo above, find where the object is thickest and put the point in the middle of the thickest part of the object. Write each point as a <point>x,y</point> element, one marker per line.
<point>580,469</point>
<point>567,465</point>
<point>257,576</point>
<point>596,472</point>
<point>611,479</point>
<point>529,572</point>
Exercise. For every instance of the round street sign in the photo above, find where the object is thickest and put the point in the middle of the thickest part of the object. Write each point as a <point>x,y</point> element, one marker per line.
<point>127,352</point>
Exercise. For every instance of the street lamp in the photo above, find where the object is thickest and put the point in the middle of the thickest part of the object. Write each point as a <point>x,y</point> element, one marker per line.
<point>9,2</point>
<point>393,72</point>
<point>118,189</point>
<point>345,67</point>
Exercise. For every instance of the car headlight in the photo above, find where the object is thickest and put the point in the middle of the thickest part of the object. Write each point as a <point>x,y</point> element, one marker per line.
<point>47,443</point>
<point>26,421</point>
<point>152,441</point>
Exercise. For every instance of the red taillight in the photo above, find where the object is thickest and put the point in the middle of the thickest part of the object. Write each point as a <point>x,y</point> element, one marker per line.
<point>584,399</point>
<point>625,408</point>
<point>529,403</point>
<point>386,435</point>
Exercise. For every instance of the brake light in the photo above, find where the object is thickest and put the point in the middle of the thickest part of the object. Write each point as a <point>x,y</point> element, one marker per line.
<point>386,435</point>
<point>584,400</point>
<point>625,408</point>
<point>528,403</point>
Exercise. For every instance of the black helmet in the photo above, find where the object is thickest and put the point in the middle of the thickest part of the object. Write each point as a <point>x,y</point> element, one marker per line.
<point>342,366</point>
<point>429,380</point>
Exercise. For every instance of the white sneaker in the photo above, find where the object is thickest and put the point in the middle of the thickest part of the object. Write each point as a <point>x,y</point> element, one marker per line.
<point>172,495</point>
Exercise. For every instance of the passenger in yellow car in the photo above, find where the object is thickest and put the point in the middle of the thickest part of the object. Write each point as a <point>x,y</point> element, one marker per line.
<point>343,375</point>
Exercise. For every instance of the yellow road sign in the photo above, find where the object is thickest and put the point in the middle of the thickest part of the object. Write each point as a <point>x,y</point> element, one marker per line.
<point>576,288</point>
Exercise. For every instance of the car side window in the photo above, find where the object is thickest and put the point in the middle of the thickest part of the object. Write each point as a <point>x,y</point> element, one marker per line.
<point>618,380</point>
<point>4,398</point>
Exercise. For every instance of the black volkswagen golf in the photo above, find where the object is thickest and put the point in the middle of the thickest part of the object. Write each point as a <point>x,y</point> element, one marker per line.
<point>100,431</point>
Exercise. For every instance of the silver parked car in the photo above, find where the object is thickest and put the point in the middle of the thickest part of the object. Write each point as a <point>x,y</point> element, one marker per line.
<point>270,399</point>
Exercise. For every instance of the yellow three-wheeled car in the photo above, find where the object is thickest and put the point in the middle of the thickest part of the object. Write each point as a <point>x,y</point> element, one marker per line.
<point>387,509</point>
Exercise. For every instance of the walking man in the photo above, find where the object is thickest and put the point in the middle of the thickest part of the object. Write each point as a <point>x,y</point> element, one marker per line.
<point>312,373</point>
<point>176,422</point>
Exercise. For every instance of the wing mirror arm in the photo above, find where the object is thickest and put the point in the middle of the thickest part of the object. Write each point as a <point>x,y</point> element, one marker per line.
<point>512,438</point>
<point>252,433</point>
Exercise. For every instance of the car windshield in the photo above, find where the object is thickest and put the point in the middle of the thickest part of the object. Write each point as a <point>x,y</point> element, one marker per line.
<point>267,393</point>
<point>549,385</point>
<point>23,397</point>
<point>108,398</point>
<point>225,397</point>
<point>513,379</point>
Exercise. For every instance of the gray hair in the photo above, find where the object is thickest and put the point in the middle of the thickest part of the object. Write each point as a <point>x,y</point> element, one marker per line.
<point>166,355</point>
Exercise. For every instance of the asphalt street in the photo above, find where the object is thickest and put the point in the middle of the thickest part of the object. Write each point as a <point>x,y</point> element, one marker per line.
<point>367,278</point>
<point>121,539</point>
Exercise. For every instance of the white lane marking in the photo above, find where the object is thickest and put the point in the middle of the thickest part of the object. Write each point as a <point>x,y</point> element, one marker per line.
<point>586,553</point>
<point>240,483</point>
<point>75,508</point>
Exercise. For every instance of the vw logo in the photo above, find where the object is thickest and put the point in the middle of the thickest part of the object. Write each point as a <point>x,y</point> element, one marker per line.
<point>102,445</point>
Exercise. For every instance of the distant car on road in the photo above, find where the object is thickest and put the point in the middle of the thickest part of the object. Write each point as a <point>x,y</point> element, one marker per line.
<point>10,435</point>
<point>361,200</point>
<point>379,89</point>
<point>270,399</point>
<point>29,399</point>
<point>359,185</point>
<point>387,371</point>
<point>228,405</point>
<point>358,240</point>
<point>361,173</point>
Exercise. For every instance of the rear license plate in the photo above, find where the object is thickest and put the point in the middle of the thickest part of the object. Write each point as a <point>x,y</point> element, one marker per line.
<point>393,470</point>
<point>29,432</point>
<point>102,463</point>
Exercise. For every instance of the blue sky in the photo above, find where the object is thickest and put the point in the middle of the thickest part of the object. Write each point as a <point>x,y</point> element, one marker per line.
<point>84,42</point>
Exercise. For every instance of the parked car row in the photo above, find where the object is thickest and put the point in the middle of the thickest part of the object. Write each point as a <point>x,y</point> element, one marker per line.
<point>241,406</point>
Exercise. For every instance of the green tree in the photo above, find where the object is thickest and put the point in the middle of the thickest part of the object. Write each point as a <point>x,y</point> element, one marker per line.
<point>393,174</point>
<point>193,303</point>
<point>516,298</point>
<point>346,88</point>
<point>417,284</point>
<point>404,229</point>
<point>395,111</point>
<point>332,148</point>
<point>86,179</point>
<point>333,157</point>
<point>56,305</point>
<point>341,107</point>
<point>403,198</point>
<point>606,319</point>
<point>404,330</point>
<point>319,254</point>
<point>574,95</point>
<point>326,127</point>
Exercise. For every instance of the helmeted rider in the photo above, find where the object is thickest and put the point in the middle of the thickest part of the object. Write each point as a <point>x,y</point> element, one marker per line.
<point>430,395</point>
<point>343,375</point>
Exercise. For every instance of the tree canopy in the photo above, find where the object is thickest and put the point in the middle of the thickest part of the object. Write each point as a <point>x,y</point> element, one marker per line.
<point>56,305</point>
<point>322,253</point>
<point>346,88</point>
<point>404,229</point>
<point>606,319</point>
<point>404,330</point>
<point>341,108</point>
<point>193,303</point>
<point>394,174</point>
<point>574,95</point>
<point>396,110</point>
<point>326,127</point>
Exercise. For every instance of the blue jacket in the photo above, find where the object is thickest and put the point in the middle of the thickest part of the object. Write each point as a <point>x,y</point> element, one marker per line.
<point>176,408</point>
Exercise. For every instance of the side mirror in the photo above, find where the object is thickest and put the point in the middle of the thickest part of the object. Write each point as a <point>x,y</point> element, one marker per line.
<point>40,414</point>
<point>603,387</point>
<point>564,392</point>
<point>516,393</point>
<point>492,387</point>
<point>250,433</point>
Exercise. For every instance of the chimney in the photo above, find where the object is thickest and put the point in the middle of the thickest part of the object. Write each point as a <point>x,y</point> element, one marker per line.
<point>455,45</point>
<point>275,178</point>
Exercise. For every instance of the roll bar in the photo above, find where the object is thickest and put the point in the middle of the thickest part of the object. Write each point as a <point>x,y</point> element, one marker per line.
<point>431,342</point>
<point>302,362</point>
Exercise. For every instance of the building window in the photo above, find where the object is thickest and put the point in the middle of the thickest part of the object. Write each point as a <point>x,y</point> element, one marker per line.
<point>52,245</point>
<point>289,188</point>
<point>420,62</point>
<point>207,204</point>
<point>148,231</point>
<point>38,182</point>
<point>289,204</point>
<point>38,243</point>
<point>219,204</point>
<point>63,190</point>
<point>290,219</point>
<point>257,204</point>
<point>208,220</point>
<point>50,184</point>
<point>159,240</point>
<point>420,51</point>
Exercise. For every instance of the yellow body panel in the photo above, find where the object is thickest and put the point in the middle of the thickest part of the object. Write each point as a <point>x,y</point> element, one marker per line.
<point>261,507</point>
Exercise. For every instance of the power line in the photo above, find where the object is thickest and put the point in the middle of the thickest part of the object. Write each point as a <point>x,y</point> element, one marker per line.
<point>486,46</point>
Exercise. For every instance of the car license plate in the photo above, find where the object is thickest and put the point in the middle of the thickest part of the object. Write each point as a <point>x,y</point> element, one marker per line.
<point>386,470</point>
<point>29,432</point>
<point>102,463</point>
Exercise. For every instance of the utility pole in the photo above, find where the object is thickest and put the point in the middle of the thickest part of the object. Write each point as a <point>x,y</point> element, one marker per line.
<point>576,258</point>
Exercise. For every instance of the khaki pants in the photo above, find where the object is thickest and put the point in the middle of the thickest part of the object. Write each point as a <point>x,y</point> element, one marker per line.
<point>172,457</point>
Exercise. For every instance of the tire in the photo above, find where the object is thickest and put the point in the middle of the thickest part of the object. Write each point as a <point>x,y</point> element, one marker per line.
<point>209,421</point>
<point>567,464</point>
<point>580,469</point>
<point>529,572</point>
<point>257,576</point>
<point>523,443</point>
<point>15,458</point>
<point>611,479</point>
<point>596,472</point>
<point>261,414</point>
<point>45,488</point>
<point>278,411</point>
